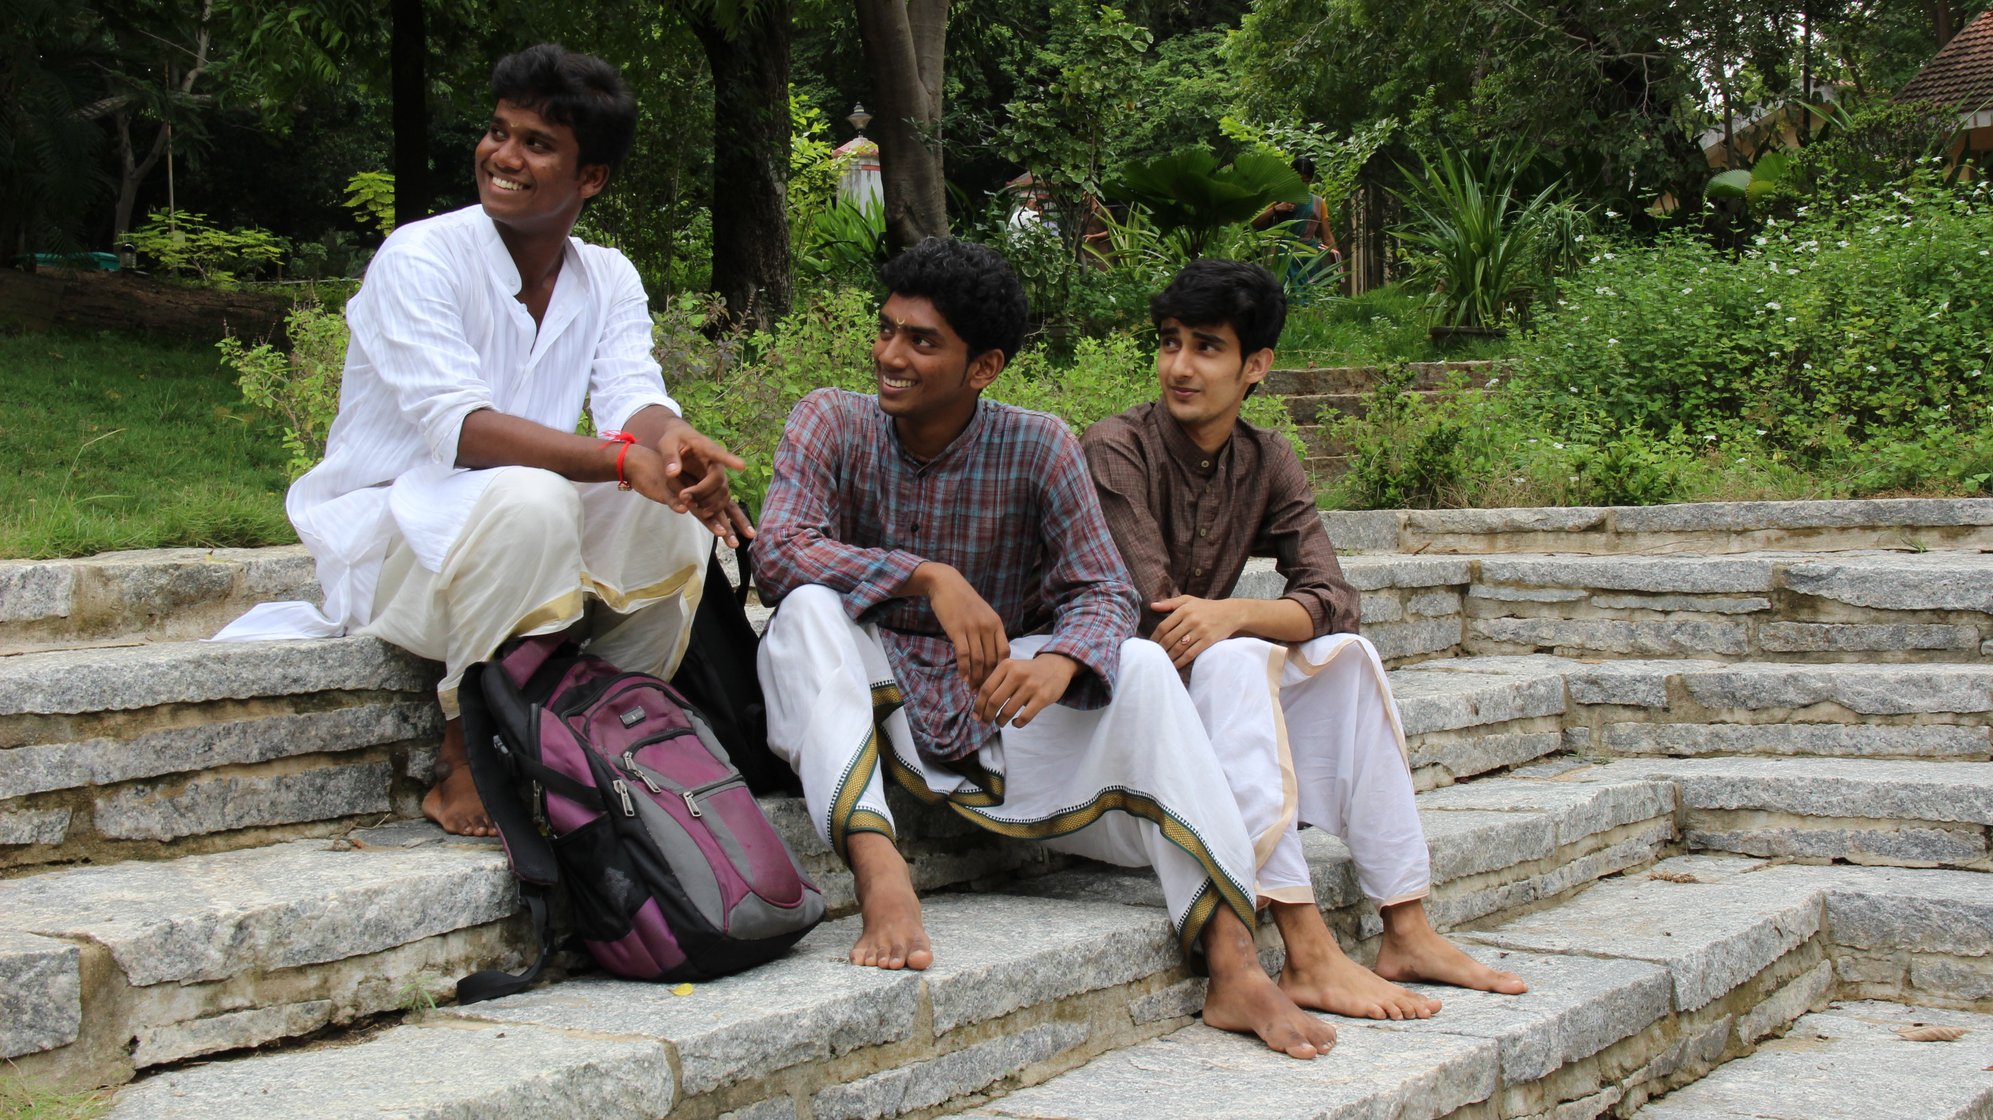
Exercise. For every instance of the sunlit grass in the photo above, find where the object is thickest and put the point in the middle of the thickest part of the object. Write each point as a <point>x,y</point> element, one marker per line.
<point>112,442</point>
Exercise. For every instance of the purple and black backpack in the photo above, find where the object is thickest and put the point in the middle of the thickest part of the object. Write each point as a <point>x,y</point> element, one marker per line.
<point>672,871</point>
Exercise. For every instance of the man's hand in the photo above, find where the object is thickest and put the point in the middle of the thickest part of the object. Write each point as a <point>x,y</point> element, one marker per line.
<point>689,473</point>
<point>1019,689</point>
<point>969,621</point>
<point>1192,625</point>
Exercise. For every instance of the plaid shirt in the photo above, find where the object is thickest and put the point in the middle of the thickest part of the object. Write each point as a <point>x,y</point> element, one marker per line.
<point>1008,504</point>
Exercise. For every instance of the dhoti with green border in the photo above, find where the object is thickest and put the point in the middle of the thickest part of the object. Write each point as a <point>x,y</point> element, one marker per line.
<point>1134,783</point>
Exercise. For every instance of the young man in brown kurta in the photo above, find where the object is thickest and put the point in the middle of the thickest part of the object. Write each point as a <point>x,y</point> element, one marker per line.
<point>1296,702</point>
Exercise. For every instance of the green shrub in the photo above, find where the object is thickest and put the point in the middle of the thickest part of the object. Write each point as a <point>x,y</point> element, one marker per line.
<point>301,387</point>
<point>1828,331</point>
<point>182,242</point>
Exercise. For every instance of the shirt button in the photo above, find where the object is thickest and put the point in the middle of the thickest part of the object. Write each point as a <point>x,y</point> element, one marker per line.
<point>1204,532</point>
<point>1197,571</point>
<point>1206,464</point>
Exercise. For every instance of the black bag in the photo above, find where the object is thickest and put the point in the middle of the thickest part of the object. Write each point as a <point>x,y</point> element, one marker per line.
<point>718,677</point>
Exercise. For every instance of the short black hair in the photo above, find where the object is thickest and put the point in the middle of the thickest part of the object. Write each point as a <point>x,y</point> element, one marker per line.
<point>580,91</point>
<point>971,285</point>
<point>1243,296</point>
<point>1304,167</point>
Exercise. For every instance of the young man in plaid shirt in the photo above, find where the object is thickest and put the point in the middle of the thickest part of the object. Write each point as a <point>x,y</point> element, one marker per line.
<point>953,618</point>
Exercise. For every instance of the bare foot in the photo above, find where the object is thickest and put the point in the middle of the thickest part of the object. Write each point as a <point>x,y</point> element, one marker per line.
<point>1413,951</point>
<point>893,936</point>
<point>1243,999</point>
<point>1320,975</point>
<point>453,801</point>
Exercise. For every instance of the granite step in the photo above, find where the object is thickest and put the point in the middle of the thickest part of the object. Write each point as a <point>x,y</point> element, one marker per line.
<point>164,594</point>
<point>207,953</point>
<point>1705,708</point>
<point>1867,811</point>
<point>1706,528</point>
<point>1641,985</point>
<point>1050,972</point>
<point>1848,1063</point>
<point>159,750</point>
<point>147,752</point>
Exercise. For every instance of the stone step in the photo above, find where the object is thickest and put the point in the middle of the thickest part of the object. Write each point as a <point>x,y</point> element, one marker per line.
<point>214,952</point>
<point>1904,813</point>
<point>157,594</point>
<point>1848,1063</point>
<point>201,953</point>
<point>155,750</point>
<point>1640,985</point>
<point>152,751</point>
<point>1362,379</point>
<point>1765,606</point>
<point>1707,528</point>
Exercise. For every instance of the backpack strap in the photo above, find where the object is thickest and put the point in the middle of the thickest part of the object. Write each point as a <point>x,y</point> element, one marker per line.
<point>494,770</point>
<point>491,983</point>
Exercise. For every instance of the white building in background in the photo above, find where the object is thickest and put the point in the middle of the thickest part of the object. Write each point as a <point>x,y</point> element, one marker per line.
<point>858,182</point>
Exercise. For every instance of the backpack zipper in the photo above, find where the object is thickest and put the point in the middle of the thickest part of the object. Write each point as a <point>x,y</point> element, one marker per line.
<point>630,767</point>
<point>622,789</point>
<point>691,796</point>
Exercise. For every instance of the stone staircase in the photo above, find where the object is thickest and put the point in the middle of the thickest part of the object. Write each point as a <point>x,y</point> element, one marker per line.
<point>1317,398</point>
<point>1699,791</point>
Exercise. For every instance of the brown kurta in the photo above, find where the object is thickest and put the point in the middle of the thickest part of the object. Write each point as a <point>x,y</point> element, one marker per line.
<point>1186,520</point>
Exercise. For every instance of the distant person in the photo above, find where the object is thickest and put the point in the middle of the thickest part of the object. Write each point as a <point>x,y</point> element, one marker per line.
<point>456,506</point>
<point>952,619</point>
<point>1297,705</point>
<point>1307,226</point>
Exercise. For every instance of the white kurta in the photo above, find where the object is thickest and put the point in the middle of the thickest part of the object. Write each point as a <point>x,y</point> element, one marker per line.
<point>437,332</point>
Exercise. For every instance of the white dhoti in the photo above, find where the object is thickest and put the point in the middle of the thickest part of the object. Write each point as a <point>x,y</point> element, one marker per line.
<point>1133,784</point>
<point>538,554</point>
<point>1309,734</point>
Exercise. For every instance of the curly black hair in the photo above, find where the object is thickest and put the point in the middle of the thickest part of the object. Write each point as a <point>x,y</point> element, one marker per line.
<point>1243,296</point>
<point>971,285</point>
<point>578,90</point>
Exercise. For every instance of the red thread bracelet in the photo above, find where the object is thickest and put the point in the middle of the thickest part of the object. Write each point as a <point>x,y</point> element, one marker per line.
<point>626,439</point>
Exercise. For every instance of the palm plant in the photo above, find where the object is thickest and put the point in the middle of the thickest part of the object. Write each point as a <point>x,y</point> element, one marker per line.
<point>1189,193</point>
<point>1472,232</point>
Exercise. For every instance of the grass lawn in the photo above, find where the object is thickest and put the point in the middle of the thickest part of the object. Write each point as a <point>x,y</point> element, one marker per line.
<point>111,442</point>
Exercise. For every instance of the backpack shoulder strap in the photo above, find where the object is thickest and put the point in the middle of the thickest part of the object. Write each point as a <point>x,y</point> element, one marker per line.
<point>497,785</point>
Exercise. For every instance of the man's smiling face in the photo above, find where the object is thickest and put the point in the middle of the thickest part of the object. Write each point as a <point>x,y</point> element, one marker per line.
<point>529,172</point>
<point>922,365</point>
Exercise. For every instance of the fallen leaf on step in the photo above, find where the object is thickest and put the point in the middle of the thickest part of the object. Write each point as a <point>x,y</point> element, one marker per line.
<point>1673,876</point>
<point>682,990</point>
<point>1922,1033</point>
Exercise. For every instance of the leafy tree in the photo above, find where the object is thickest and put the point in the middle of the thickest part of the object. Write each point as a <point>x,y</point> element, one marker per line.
<point>49,150</point>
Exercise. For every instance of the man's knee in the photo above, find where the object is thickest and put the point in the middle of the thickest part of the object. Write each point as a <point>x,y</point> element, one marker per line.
<point>1234,655</point>
<point>533,505</point>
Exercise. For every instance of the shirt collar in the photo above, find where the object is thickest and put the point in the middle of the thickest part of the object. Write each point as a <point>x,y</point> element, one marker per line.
<point>1183,450</point>
<point>968,436</point>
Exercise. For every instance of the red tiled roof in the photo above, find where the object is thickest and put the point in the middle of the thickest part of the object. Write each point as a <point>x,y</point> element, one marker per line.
<point>1961,76</point>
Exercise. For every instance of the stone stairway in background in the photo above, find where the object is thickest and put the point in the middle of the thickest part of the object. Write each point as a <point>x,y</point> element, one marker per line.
<point>1698,772</point>
<point>1316,398</point>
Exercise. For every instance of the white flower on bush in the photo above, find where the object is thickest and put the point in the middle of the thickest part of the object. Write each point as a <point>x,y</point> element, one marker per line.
<point>1494,381</point>
<point>1710,438</point>
<point>1688,291</point>
<point>1608,342</point>
<point>1773,304</point>
<point>1761,431</point>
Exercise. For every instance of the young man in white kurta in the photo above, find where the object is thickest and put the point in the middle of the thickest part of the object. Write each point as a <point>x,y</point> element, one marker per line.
<point>1296,703</point>
<point>456,507</point>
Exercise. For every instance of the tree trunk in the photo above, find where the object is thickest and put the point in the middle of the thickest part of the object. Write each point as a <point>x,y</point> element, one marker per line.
<point>134,169</point>
<point>905,46</point>
<point>750,65</point>
<point>133,172</point>
<point>408,85</point>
